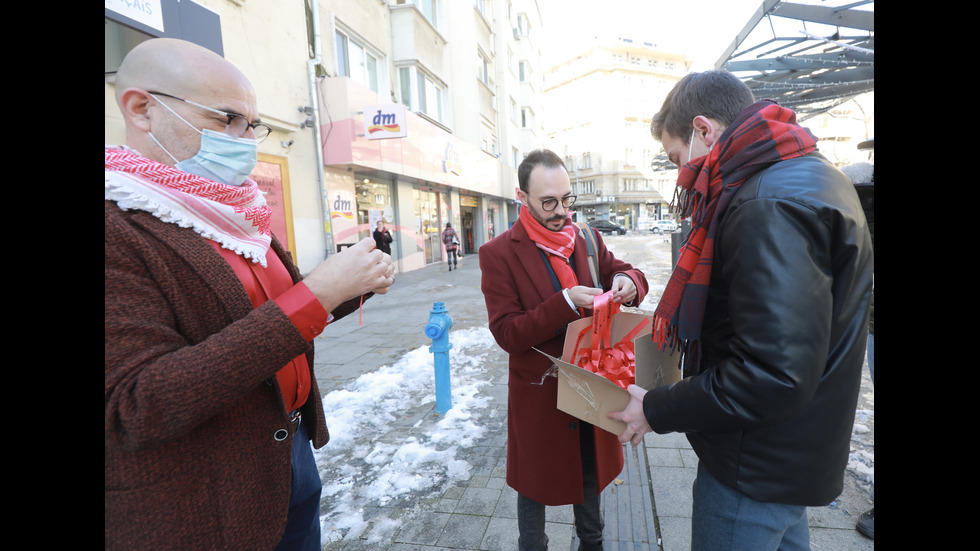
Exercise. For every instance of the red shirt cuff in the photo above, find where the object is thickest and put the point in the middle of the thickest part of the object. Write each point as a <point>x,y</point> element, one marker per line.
<point>304,310</point>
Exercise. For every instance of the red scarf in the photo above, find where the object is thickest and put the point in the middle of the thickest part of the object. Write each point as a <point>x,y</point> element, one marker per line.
<point>558,244</point>
<point>763,134</point>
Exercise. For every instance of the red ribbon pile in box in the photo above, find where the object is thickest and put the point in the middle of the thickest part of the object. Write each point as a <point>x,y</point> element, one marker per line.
<point>614,361</point>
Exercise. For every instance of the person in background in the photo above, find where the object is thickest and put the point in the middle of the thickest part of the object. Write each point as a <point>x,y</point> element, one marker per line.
<point>382,238</point>
<point>451,241</point>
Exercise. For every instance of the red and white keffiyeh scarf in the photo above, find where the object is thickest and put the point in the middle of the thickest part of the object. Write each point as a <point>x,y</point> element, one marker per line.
<point>763,134</point>
<point>235,217</point>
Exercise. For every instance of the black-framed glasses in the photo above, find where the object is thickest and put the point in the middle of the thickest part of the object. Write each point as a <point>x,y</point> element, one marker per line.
<point>550,204</point>
<point>237,126</point>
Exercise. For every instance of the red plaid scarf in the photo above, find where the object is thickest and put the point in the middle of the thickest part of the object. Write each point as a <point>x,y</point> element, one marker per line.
<point>763,134</point>
<point>237,217</point>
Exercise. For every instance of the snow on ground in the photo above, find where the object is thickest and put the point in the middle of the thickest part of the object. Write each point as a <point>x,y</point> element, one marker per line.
<point>361,472</point>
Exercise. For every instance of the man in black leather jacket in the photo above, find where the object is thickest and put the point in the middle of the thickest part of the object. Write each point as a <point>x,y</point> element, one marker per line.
<point>771,314</point>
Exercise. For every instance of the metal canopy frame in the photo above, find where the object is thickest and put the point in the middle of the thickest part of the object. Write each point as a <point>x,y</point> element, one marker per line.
<point>808,55</point>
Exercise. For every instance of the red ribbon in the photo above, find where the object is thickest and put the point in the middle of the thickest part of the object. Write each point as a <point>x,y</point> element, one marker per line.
<point>614,361</point>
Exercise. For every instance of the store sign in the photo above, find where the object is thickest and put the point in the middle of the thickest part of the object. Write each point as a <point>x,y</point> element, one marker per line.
<point>147,12</point>
<point>451,163</point>
<point>343,206</point>
<point>384,121</point>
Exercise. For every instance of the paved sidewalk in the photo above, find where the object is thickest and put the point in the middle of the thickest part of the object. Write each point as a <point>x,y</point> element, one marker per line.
<point>650,509</point>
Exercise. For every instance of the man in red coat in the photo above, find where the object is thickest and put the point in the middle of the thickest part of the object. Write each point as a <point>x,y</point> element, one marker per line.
<point>536,281</point>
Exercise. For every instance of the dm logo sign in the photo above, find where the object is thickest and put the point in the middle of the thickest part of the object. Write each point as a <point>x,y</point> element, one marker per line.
<point>342,207</point>
<point>384,121</point>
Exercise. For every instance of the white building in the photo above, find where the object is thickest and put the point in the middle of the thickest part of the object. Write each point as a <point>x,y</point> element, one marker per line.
<point>601,99</point>
<point>330,79</point>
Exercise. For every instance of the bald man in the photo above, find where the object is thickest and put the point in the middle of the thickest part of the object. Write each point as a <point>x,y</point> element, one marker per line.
<point>210,397</point>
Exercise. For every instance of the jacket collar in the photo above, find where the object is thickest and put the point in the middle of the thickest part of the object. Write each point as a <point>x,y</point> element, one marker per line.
<point>535,270</point>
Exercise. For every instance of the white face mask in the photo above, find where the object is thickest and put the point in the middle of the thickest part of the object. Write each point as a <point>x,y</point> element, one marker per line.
<point>221,158</point>
<point>690,148</point>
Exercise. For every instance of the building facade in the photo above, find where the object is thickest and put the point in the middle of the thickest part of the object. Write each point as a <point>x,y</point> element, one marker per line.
<point>403,111</point>
<point>609,152</point>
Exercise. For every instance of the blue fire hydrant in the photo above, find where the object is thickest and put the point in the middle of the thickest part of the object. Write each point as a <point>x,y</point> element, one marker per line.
<point>438,330</point>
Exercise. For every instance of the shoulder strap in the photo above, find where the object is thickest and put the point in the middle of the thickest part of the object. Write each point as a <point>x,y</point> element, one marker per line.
<point>593,249</point>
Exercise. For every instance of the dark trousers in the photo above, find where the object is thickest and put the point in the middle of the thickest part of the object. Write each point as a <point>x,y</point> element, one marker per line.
<point>588,516</point>
<point>303,523</point>
<point>451,257</point>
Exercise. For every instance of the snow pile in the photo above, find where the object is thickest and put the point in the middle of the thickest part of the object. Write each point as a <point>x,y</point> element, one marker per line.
<point>387,441</point>
<point>861,460</point>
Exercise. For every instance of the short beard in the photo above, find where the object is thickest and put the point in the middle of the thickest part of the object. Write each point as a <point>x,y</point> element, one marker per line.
<point>544,221</point>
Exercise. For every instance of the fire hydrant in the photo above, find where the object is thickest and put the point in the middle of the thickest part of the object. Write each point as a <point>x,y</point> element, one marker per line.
<point>438,330</point>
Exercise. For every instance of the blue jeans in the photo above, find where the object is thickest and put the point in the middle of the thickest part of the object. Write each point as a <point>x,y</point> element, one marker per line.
<point>303,523</point>
<point>871,355</point>
<point>725,519</point>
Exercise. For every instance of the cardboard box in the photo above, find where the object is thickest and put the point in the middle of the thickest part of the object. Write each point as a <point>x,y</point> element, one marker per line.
<point>589,396</point>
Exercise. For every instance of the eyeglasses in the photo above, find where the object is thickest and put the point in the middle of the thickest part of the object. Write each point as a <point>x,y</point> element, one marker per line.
<point>551,203</point>
<point>237,126</point>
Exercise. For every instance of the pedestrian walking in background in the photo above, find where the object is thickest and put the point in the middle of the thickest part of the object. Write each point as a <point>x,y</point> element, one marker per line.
<point>451,241</point>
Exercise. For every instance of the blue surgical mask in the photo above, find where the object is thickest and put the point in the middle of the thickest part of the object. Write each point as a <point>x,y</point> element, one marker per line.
<point>221,158</point>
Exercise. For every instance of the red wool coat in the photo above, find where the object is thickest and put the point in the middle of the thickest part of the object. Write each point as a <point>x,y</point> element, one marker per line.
<point>543,458</point>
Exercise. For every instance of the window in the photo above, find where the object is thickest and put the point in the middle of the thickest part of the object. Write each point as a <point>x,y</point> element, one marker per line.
<point>523,28</point>
<point>488,138</point>
<point>429,8</point>
<point>525,71</point>
<point>513,110</point>
<point>588,187</point>
<point>372,195</point>
<point>635,184</point>
<point>482,6</point>
<point>484,68</point>
<point>516,157</point>
<point>357,62</point>
<point>431,96</point>
<point>423,93</point>
<point>527,117</point>
<point>586,160</point>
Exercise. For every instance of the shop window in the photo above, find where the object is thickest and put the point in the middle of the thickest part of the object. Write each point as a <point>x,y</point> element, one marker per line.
<point>375,201</point>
